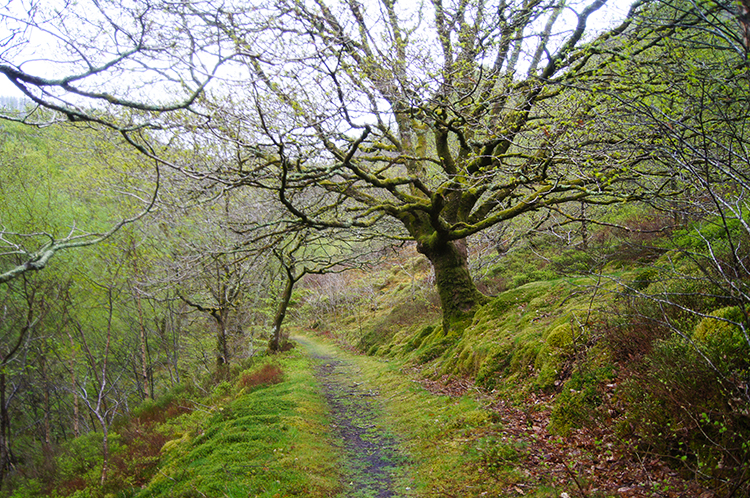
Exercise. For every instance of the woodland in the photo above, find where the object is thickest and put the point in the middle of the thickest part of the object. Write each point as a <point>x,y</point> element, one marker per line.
<point>513,200</point>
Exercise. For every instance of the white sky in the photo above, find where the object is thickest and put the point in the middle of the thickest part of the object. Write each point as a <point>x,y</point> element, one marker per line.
<point>608,16</point>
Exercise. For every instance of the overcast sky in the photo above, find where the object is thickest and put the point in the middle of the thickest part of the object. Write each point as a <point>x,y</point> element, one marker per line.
<point>608,16</point>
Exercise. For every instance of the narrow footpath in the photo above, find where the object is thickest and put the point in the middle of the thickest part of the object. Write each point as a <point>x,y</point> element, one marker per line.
<point>465,443</point>
<point>370,453</point>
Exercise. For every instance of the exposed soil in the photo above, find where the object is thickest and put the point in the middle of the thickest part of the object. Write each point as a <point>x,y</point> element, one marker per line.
<point>370,454</point>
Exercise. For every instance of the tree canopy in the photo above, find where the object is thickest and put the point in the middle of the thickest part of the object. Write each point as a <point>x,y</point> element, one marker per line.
<point>445,118</point>
<point>429,122</point>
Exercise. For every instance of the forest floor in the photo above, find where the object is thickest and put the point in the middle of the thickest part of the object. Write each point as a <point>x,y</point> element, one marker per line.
<point>584,463</point>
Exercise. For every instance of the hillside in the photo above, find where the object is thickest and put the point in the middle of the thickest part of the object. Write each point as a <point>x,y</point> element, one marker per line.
<point>526,401</point>
<point>559,371</point>
<point>343,248</point>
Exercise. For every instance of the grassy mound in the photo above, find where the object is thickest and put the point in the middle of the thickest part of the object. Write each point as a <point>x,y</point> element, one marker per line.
<point>262,436</point>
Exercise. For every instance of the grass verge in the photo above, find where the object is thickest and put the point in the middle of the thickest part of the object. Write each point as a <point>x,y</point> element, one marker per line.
<point>451,445</point>
<point>264,436</point>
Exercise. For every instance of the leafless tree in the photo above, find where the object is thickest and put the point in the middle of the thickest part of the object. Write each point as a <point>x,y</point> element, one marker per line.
<point>444,119</point>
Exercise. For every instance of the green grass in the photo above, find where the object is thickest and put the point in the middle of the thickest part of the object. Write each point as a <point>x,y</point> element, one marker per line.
<point>451,445</point>
<point>265,441</point>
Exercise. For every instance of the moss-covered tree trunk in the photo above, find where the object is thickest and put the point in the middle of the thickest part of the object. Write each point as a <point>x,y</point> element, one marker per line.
<point>222,348</point>
<point>459,296</point>
<point>274,344</point>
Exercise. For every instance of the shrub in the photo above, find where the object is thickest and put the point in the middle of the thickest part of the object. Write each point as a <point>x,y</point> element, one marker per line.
<point>223,388</point>
<point>519,280</point>
<point>631,338</point>
<point>80,463</point>
<point>150,411</point>
<point>266,375</point>
<point>683,405</point>
<point>640,321</point>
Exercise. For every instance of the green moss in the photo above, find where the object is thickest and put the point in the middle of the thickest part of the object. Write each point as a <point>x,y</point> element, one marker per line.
<point>512,299</point>
<point>435,349</point>
<point>644,278</point>
<point>721,329</point>
<point>222,389</point>
<point>561,336</point>
<point>516,343</point>
<point>382,329</point>
<point>416,341</point>
<point>472,418</point>
<point>495,363</point>
<point>467,361</point>
<point>578,403</point>
<point>721,337</point>
<point>248,438</point>
<point>524,355</point>
<point>548,367</point>
<point>519,279</point>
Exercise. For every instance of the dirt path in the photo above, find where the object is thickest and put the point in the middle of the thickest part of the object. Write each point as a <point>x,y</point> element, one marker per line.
<point>370,454</point>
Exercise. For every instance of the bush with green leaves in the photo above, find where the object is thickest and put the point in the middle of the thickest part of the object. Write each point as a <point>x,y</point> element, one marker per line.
<point>79,465</point>
<point>686,399</point>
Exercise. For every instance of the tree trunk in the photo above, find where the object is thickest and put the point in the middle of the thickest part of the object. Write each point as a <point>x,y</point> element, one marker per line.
<point>148,393</point>
<point>176,330</point>
<point>459,297</point>
<point>74,385</point>
<point>49,461</point>
<point>275,344</point>
<point>222,349</point>
<point>105,450</point>
<point>5,455</point>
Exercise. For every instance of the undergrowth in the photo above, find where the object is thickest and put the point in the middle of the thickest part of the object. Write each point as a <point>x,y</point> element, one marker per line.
<point>262,434</point>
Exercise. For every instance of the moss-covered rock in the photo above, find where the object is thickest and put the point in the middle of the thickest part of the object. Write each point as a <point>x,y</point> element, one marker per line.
<point>722,338</point>
<point>722,329</point>
<point>561,336</point>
